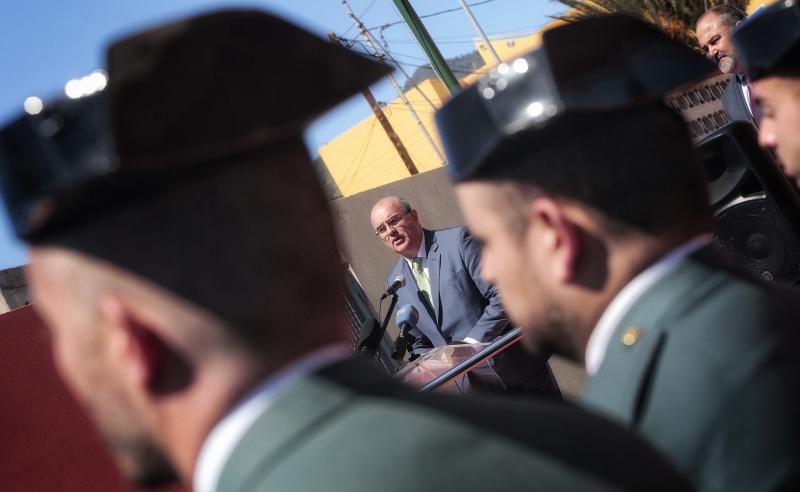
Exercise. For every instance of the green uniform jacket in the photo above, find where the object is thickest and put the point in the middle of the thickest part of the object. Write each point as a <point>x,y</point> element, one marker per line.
<point>706,366</point>
<point>350,428</point>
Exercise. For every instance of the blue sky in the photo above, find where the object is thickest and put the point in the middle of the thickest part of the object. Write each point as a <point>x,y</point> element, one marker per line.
<point>47,42</point>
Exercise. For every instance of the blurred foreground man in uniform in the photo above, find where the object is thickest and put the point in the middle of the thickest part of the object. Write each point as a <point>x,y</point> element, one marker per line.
<point>182,255</point>
<point>769,43</point>
<point>585,191</point>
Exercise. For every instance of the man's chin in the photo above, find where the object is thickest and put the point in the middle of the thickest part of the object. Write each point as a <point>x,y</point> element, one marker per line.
<point>727,64</point>
<point>796,180</point>
<point>156,479</point>
<point>791,171</point>
<point>538,344</point>
<point>146,467</point>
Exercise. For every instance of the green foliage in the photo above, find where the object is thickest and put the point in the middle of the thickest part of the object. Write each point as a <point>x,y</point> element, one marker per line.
<point>675,17</point>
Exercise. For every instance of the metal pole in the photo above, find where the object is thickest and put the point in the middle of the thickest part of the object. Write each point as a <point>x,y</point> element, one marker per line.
<point>414,115</point>
<point>384,121</point>
<point>482,34</point>
<point>435,57</point>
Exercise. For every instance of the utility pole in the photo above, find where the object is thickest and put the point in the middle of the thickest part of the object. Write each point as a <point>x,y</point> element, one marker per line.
<point>480,32</point>
<point>435,57</point>
<point>387,127</point>
<point>370,41</point>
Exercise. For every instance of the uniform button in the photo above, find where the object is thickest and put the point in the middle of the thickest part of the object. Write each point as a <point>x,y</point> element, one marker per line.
<point>630,336</point>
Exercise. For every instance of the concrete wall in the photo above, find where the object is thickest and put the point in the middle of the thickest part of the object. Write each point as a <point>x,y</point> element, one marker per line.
<point>13,290</point>
<point>431,194</point>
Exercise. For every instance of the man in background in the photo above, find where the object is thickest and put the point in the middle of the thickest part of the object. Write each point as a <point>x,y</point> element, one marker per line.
<point>774,67</point>
<point>181,254</point>
<point>714,31</point>
<point>594,205</point>
<point>443,282</point>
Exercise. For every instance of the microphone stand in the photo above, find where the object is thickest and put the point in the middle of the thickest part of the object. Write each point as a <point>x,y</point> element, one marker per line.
<point>488,352</point>
<point>369,344</point>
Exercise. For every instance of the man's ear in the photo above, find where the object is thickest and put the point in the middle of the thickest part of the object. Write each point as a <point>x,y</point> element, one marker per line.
<point>134,345</point>
<point>558,237</point>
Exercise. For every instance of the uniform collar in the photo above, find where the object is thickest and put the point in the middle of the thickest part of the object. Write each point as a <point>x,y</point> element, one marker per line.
<point>627,297</point>
<point>226,434</point>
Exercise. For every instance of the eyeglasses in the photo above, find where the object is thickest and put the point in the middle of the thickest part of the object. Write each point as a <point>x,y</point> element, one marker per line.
<point>392,222</point>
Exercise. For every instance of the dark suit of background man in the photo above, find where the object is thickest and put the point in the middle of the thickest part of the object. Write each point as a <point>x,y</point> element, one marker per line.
<point>714,31</point>
<point>596,207</point>
<point>442,273</point>
<point>775,71</point>
<point>182,255</point>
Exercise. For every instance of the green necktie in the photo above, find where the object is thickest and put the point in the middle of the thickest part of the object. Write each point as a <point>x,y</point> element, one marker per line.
<point>422,280</point>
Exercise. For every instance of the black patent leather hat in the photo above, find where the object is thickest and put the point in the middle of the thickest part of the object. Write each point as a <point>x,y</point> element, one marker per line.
<point>769,40</point>
<point>190,93</point>
<point>590,66</point>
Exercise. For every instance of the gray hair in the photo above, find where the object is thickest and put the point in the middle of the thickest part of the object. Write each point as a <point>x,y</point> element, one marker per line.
<point>404,204</point>
<point>729,14</point>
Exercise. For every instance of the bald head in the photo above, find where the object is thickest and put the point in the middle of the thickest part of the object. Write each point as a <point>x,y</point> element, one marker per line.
<point>394,202</point>
<point>397,224</point>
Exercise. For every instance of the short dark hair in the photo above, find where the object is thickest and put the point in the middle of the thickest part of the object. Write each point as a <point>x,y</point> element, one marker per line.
<point>251,241</point>
<point>728,13</point>
<point>637,166</point>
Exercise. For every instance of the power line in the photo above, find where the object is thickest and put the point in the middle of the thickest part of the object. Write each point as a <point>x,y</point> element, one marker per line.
<point>371,42</point>
<point>433,14</point>
<point>371,4</point>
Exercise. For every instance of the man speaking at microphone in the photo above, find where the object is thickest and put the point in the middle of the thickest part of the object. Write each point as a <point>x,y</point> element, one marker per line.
<point>441,269</point>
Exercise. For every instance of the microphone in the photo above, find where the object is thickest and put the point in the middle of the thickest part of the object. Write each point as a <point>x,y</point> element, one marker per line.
<point>397,284</point>
<point>406,319</point>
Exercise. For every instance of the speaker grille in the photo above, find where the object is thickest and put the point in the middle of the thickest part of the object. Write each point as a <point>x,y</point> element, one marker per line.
<point>753,230</point>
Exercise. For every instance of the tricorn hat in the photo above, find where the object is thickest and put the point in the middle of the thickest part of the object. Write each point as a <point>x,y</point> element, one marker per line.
<point>188,94</point>
<point>769,40</point>
<point>595,65</point>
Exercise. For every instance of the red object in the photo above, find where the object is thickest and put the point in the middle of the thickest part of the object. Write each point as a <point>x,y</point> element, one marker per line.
<point>46,442</point>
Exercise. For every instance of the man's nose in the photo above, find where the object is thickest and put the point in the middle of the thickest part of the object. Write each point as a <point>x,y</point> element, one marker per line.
<point>766,135</point>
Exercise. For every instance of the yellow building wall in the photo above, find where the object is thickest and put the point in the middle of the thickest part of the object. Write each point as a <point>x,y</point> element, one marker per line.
<point>757,4</point>
<point>363,158</point>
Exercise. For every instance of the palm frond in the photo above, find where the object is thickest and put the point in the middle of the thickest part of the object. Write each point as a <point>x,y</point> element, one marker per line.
<point>674,17</point>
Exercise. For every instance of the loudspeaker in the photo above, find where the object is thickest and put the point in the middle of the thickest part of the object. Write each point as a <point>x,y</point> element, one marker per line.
<point>756,208</point>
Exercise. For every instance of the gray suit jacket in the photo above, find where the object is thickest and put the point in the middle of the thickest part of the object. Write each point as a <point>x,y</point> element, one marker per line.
<point>465,306</point>
<point>713,379</point>
<point>350,428</point>
<point>734,103</point>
